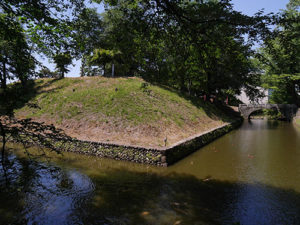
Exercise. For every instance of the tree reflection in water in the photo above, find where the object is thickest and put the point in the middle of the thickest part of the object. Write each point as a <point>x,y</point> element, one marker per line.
<point>43,193</point>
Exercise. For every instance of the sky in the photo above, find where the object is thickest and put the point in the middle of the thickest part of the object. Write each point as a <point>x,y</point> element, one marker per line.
<point>248,7</point>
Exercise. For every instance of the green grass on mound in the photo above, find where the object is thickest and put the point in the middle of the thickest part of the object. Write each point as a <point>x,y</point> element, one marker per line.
<point>119,103</point>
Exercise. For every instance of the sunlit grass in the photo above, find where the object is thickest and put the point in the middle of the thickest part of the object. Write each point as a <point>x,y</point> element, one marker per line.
<point>124,98</point>
<point>127,110</point>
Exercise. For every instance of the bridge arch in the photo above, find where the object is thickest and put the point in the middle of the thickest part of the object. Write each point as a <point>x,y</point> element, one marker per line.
<point>287,110</point>
<point>253,112</point>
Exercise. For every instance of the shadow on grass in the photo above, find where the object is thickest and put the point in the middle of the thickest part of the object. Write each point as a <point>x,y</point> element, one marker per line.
<point>46,194</point>
<point>215,111</point>
<point>16,96</point>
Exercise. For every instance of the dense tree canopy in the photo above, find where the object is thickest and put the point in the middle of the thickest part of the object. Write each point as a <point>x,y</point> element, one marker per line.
<point>16,60</point>
<point>62,61</point>
<point>199,47</point>
<point>195,46</point>
<point>280,57</point>
<point>29,27</point>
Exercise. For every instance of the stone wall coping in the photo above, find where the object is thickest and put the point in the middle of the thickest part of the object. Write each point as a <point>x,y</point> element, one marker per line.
<point>161,149</point>
<point>261,105</point>
<point>163,156</point>
<point>196,136</point>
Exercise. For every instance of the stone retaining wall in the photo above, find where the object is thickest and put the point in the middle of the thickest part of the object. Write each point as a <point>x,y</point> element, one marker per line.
<point>158,157</point>
<point>179,151</point>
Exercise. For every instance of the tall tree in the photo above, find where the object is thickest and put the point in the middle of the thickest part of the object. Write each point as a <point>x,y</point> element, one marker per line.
<point>47,26</point>
<point>62,61</point>
<point>280,57</point>
<point>46,22</point>
<point>196,46</point>
<point>16,61</point>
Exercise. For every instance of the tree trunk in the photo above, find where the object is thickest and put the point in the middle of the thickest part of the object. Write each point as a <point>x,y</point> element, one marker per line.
<point>182,81</point>
<point>190,86</point>
<point>23,81</point>
<point>3,140</point>
<point>208,85</point>
<point>104,69</point>
<point>4,75</point>
<point>82,68</point>
<point>113,70</point>
<point>2,130</point>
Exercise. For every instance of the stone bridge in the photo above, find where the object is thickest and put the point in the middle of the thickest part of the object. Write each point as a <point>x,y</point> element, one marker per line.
<point>287,110</point>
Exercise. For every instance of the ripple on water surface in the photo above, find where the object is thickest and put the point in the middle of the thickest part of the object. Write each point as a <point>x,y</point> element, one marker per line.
<point>249,176</point>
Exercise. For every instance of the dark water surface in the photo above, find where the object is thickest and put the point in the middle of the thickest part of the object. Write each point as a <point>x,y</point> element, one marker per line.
<point>249,176</point>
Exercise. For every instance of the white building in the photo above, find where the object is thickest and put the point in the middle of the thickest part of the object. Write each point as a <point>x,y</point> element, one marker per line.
<point>244,98</point>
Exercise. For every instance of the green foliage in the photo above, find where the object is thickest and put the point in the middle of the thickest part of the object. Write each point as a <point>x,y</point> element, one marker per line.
<point>293,5</point>
<point>272,114</point>
<point>46,22</point>
<point>196,47</point>
<point>87,28</point>
<point>102,57</point>
<point>16,61</point>
<point>86,69</point>
<point>28,27</point>
<point>62,61</point>
<point>126,101</point>
<point>280,57</point>
<point>47,73</point>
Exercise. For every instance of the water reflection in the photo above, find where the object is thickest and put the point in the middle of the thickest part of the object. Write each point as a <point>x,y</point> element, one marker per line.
<point>250,176</point>
<point>39,193</point>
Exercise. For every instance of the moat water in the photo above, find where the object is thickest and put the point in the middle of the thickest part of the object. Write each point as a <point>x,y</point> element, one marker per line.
<point>249,176</point>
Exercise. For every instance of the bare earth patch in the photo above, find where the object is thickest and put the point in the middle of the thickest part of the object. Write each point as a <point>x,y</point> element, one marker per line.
<point>143,135</point>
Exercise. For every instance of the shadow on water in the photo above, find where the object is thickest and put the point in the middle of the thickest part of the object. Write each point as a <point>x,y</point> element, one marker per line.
<point>254,124</point>
<point>41,193</point>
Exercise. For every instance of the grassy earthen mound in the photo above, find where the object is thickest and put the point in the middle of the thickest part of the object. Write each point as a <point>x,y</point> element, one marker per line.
<point>126,111</point>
